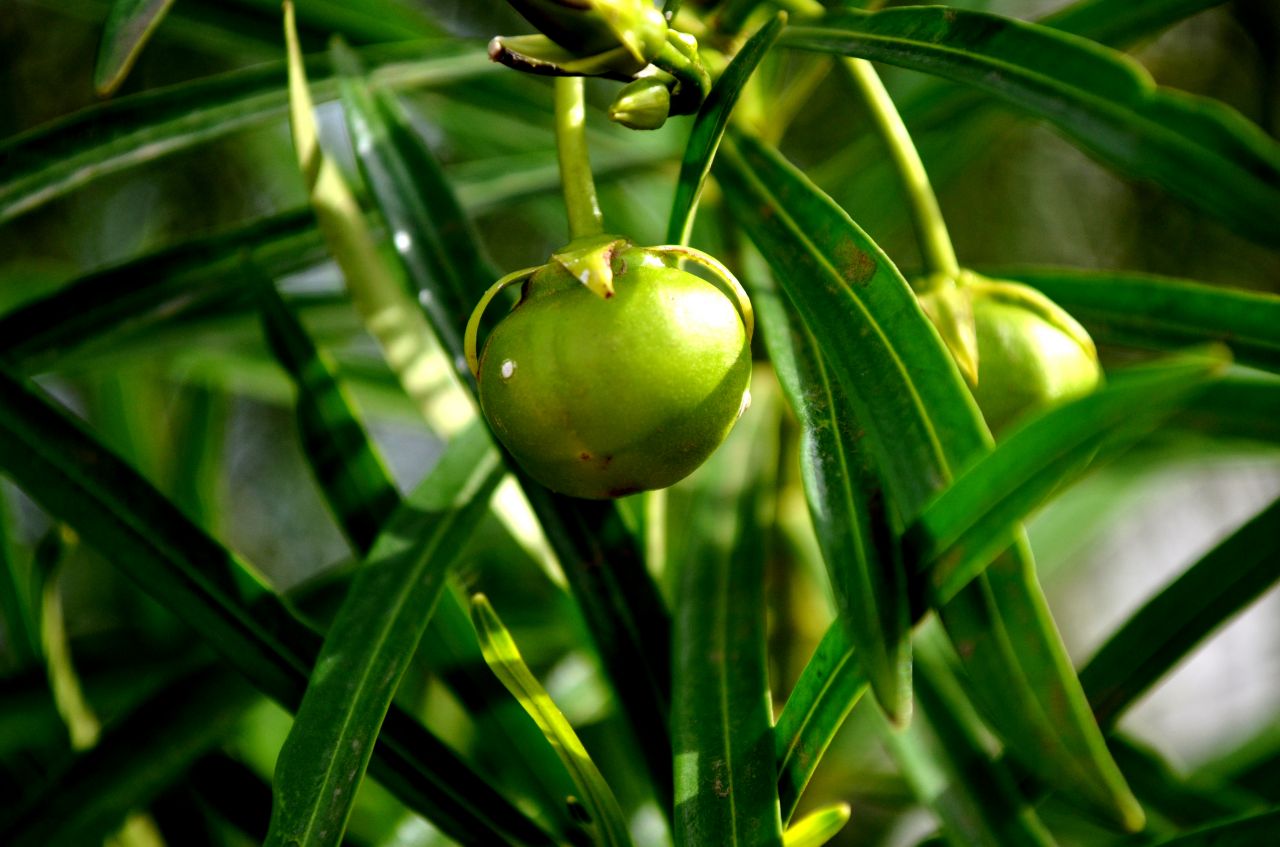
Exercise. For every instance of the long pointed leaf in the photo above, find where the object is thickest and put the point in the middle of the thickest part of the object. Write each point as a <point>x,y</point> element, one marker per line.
<point>224,600</point>
<point>852,529</point>
<point>504,659</point>
<point>830,685</point>
<point>129,27</point>
<point>921,425</point>
<point>370,643</point>
<point>1252,831</point>
<point>1161,633</point>
<point>1201,150</point>
<point>721,722</point>
<point>50,161</point>
<point>977,516</point>
<point>709,125</point>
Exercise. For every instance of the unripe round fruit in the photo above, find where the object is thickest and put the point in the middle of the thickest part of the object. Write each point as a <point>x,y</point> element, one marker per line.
<point>1031,353</point>
<point>599,397</point>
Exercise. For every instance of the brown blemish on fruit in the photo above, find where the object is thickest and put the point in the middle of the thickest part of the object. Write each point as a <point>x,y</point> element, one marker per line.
<point>624,490</point>
<point>584,456</point>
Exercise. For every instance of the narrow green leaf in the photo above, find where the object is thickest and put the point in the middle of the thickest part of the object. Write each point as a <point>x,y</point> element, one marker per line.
<point>134,761</point>
<point>1252,831</point>
<point>434,239</point>
<point>130,25</point>
<point>921,424</point>
<point>504,659</point>
<point>103,305</point>
<point>1198,149</point>
<point>979,803</point>
<point>351,473</point>
<point>1120,22</point>
<point>1241,406</point>
<point>817,827</point>
<point>370,643</point>
<point>856,541</point>
<point>50,161</point>
<point>829,687</point>
<point>56,462</point>
<point>1137,310</point>
<point>975,518</point>
<point>81,721</point>
<point>709,125</point>
<point>721,721</point>
<point>1169,626</point>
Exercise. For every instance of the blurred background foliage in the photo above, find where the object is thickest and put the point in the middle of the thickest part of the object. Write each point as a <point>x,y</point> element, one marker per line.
<point>203,411</point>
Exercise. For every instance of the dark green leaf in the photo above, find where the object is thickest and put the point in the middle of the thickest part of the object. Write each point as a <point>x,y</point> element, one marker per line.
<point>1242,406</point>
<point>433,238</point>
<point>709,125</point>
<point>1161,633</point>
<point>351,473</point>
<point>1253,831</point>
<point>22,638</point>
<point>128,28</point>
<point>1156,312</point>
<point>976,517</point>
<point>921,424</point>
<point>1164,791</point>
<point>721,723</point>
<point>224,600</point>
<point>162,286</point>
<point>49,161</point>
<point>843,495</point>
<point>829,687</point>
<point>1120,22</point>
<point>1198,149</point>
<point>942,756</point>
<point>370,643</point>
<point>132,763</point>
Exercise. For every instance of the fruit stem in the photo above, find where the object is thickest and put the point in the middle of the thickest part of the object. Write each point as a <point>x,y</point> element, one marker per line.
<point>941,266</point>
<point>575,166</point>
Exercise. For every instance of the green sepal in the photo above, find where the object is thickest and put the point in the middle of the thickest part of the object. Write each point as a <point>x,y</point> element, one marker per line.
<point>950,309</point>
<point>590,261</point>
<point>679,57</point>
<point>538,54</point>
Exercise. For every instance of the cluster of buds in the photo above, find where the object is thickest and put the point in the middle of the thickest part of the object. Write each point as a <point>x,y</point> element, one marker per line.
<point>625,40</point>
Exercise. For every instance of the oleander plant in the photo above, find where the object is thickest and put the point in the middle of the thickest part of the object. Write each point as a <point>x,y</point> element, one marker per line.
<point>588,423</point>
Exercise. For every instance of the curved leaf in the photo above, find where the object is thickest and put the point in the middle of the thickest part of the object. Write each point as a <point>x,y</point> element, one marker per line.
<point>976,517</point>
<point>709,125</point>
<point>504,659</point>
<point>225,601</point>
<point>818,827</point>
<point>1139,310</point>
<point>920,424</point>
<point>370,643</point>
<point>129,27</point>
<point>352,474</point>
<point>852,529</point>
<point>1170,625</point>
<point>1120,22</point>
<point>50,161</point>
<point>1250,831</point>
<point>1198,149</point>
<point>830,685</point>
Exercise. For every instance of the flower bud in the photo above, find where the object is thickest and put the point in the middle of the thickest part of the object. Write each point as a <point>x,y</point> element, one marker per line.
<point>1030,352</point>
<point>643,104</point>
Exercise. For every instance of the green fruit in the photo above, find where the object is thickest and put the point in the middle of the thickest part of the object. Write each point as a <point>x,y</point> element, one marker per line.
<point>599,397</point>
<point>1031,353</point>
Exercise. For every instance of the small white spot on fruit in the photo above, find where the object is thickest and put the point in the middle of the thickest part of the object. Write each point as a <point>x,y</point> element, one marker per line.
<point>508,368</point>
<point>746,402</point>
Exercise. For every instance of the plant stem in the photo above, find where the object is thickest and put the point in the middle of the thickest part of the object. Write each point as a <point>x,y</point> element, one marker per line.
<point>575,167</point>
<point>935,244</point>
